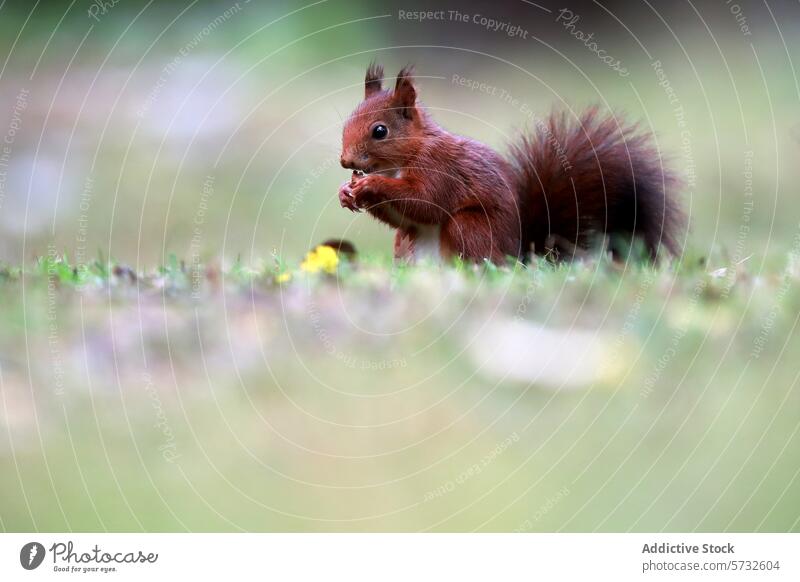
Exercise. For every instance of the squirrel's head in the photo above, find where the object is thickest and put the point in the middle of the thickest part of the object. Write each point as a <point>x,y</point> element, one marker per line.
<point>380,134</point>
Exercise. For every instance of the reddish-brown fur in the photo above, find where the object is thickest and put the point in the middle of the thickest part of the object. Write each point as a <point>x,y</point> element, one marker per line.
<point>572,181</point>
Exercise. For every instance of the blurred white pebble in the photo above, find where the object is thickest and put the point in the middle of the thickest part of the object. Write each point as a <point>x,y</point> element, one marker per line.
<point>557,359</point>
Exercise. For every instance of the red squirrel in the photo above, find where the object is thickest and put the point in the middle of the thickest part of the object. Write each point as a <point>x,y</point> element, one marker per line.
<point>568,183</point>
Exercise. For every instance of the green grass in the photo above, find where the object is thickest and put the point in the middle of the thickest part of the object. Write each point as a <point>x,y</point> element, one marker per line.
<point>384,397</point>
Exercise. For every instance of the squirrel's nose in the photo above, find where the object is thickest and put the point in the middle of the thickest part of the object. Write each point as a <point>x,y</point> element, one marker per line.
<point>347,162</point>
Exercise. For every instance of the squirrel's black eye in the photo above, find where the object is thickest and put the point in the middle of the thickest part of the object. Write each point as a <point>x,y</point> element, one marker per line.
<point>380,132</point>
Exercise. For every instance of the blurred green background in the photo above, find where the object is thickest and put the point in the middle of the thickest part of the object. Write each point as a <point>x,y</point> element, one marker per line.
<point>149,99</point>
<point>380,400</point>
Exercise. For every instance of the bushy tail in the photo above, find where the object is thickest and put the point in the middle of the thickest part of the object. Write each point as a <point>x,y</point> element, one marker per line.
<point>583,181</point>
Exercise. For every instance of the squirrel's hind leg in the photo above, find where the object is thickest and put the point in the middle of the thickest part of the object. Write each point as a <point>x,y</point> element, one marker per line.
<point>403,245</point>
<point>472,236</point>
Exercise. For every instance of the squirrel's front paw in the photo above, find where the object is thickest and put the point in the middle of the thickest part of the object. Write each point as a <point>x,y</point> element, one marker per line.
<point>346,197</point>
<point>363,192</point>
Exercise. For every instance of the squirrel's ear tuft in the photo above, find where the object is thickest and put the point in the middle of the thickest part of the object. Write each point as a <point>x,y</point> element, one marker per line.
<point>374,79</point>
<point>405,95</point>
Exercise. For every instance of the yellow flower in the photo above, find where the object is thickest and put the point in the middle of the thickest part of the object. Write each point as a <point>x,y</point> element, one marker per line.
<point>322,258</point>
<point>284,277</point>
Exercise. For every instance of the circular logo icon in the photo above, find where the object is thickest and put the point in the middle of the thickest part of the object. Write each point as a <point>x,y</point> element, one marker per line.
<point>31,555</point>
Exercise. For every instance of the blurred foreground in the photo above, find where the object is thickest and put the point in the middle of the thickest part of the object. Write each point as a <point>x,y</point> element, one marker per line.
<point>579,397</point>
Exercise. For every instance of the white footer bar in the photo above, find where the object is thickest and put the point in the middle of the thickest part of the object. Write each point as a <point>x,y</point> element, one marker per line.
<point>401,557</point>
